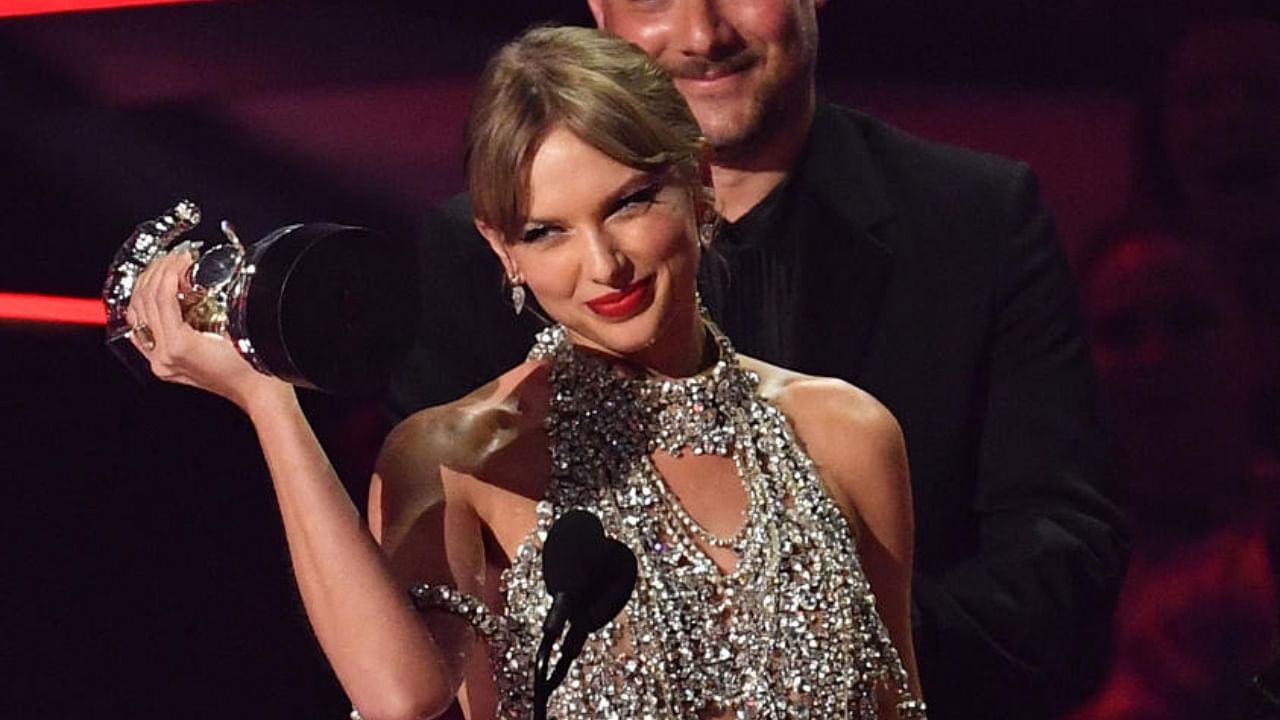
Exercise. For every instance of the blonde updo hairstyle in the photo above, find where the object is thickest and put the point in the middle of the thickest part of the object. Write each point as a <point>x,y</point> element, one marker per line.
<point>604,90</point>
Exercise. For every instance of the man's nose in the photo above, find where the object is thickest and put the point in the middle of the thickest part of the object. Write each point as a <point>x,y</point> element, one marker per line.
<point>701,28</point>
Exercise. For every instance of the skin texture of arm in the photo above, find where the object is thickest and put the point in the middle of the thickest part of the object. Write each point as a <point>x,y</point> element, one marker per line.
<point>391,661</point>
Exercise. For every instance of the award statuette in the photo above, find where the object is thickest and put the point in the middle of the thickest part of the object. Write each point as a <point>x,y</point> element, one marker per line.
<point>324,306</point>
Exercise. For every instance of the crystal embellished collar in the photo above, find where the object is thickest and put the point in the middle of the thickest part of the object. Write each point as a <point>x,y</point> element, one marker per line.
<point>697,414</point>
<point>791,632</point>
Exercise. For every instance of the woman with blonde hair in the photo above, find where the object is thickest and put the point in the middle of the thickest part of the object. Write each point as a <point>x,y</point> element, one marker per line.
<point>769,512</point>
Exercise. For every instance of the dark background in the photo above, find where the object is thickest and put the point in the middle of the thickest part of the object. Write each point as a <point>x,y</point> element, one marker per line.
<point>145,573</point>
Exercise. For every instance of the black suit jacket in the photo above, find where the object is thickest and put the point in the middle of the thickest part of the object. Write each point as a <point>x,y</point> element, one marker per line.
<point>932,278</point>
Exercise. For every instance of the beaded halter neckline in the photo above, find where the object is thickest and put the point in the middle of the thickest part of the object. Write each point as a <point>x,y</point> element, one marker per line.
<point>791,632</point>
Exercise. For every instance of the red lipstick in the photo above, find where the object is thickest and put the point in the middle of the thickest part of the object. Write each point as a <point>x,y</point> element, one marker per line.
<point>622,302</point>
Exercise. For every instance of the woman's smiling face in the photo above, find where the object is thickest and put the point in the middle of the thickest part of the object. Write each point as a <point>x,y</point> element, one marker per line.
<point>610,252</point>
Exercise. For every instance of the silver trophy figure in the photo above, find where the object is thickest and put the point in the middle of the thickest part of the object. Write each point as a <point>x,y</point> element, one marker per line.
<point>319,305</point>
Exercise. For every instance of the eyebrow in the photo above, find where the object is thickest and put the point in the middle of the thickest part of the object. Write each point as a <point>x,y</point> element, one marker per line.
<point>638,179</point>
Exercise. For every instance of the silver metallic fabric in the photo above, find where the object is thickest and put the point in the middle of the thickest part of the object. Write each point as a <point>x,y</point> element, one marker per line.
<point>790,632</point>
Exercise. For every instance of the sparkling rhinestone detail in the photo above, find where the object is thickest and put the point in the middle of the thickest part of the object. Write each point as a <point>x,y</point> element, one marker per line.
<point>790,632</point>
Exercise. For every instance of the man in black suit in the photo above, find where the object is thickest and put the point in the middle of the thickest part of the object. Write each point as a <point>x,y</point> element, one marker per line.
<point>927,275</point>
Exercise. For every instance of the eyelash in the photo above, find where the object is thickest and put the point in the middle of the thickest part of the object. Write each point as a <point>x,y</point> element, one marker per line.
<point>534,234</point>
<point>645,196</point>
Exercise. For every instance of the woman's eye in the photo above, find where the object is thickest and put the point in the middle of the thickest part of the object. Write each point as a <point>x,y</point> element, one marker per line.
<point>536,233</point>
<point>642,198</point>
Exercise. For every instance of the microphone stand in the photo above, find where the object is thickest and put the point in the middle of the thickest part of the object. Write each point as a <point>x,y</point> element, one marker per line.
<point>574,639</point>
<point>586,599</point>
<point>542,686</point>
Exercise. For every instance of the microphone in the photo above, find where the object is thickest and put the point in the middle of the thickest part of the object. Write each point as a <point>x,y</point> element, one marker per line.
<point>572,543</point>
<point>590,578</point>
<point>614,577</point>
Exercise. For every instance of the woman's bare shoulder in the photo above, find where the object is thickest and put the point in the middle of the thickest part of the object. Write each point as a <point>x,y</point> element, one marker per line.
<point>812,402</point>
<point>463,436</point>
<point>854,441</point>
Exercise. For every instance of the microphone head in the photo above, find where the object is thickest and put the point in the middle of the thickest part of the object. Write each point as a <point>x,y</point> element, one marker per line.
<point>590,578</point>
<point>613,577</point>
<point>570,550</point>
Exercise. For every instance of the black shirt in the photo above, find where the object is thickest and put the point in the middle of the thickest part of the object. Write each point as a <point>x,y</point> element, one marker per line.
<point>750,279</point>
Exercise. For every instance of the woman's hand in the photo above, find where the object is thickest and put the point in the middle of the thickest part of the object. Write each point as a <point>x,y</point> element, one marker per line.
<point>179,353</point>
<point>385,654</point>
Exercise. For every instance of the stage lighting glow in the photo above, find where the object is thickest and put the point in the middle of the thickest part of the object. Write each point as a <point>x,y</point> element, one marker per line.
<point>52,309</point>
<point>14,8</point>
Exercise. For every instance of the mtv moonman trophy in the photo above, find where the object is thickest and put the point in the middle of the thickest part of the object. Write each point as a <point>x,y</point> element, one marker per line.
<point>324,306</point>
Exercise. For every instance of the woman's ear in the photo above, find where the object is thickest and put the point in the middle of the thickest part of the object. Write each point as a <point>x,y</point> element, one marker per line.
<point>499,247</point>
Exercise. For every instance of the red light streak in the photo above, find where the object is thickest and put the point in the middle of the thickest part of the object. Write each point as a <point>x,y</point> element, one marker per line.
<point>52,309</point>
<point>14,8</point>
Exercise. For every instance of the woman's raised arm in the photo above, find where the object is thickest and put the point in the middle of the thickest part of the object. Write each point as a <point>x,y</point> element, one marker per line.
<point>391,661</point>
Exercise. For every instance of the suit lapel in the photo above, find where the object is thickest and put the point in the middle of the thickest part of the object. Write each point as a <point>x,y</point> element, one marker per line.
<point>842,222</point>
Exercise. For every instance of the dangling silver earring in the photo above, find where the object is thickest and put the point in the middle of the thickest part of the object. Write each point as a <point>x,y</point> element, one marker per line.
<point>517,293</point>
<point>707,232</point>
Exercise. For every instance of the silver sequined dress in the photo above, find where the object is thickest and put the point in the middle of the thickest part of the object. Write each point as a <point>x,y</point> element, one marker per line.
<point>791,632</point>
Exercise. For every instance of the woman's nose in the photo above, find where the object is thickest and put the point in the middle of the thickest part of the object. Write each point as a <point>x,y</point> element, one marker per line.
<point>606,263</point>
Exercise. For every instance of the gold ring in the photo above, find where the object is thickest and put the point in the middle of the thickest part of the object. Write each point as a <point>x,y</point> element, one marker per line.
<point>145,336</point>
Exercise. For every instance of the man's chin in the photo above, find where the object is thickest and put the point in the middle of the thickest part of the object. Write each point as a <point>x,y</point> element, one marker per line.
<point>720,119</point>
<point>739,129</point>
<point>728,131</point>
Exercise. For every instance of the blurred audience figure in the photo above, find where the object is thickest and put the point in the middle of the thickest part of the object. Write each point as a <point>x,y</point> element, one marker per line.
<point>1210,143</point>
<point>1179,366</point>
